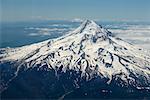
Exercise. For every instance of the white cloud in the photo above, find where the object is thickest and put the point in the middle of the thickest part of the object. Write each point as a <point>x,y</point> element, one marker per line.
<point>33,34</point>
<point>48,31</point>
<point>77,20</point>
<point>137,34</point>
<point>60,25</point>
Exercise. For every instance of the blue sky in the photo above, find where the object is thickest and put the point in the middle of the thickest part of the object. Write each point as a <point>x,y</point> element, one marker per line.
<point>23,10</point>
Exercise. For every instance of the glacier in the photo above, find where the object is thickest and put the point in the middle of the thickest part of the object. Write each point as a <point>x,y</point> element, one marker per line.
<point>89,52</point>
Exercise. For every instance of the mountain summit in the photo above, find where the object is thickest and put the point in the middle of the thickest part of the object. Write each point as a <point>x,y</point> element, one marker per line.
<point>87,53</point>
<point>90,27</point>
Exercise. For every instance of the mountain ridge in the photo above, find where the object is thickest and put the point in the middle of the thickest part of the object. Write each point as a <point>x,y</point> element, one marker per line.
<point>90,50</point>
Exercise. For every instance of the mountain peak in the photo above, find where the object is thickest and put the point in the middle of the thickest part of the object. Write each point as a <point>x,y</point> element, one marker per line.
<point>91,27</point>
<point>89,52</point>
<point>90,22</point>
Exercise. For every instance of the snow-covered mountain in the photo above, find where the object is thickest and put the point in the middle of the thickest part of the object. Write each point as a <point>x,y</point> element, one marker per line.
<point>90,49</point>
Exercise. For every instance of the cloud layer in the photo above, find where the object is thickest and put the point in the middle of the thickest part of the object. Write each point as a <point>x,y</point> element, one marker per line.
<point>138,34</point>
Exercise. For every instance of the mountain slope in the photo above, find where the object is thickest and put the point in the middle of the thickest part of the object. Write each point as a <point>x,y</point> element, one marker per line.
<point>90,50</point>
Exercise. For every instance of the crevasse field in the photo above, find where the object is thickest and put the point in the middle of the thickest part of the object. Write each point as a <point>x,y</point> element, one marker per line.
<point>15,34</point>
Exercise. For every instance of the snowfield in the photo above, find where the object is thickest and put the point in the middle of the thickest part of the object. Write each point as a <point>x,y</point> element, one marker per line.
<point>90,49</point>
<point>87,53</point>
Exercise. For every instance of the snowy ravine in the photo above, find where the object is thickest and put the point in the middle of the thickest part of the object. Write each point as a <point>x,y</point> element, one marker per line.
<point>90,50</point>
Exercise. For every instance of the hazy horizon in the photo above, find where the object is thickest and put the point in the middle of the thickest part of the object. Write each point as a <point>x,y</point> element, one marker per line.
<point>28,10</point>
